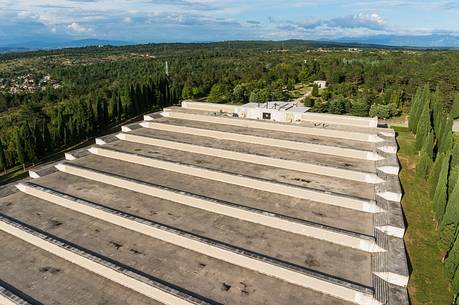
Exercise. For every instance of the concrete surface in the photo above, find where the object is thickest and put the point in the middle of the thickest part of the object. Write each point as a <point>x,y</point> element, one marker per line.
<point>243,212</point>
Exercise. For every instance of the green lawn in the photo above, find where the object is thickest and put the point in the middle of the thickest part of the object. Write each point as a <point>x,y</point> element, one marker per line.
<point>427,285</point>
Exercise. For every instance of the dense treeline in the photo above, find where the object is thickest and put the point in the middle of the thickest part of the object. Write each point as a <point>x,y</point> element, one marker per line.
<point>432,123</point>
<point>101,86</point>
<point>38,129</point>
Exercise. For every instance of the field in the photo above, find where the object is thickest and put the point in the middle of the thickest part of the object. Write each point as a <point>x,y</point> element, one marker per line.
<point>427,285</point>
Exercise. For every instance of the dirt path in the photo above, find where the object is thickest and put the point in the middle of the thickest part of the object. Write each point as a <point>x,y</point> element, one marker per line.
<point>300,100</point>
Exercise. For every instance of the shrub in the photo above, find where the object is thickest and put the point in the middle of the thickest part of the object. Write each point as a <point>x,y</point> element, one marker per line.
<point>380,111</point>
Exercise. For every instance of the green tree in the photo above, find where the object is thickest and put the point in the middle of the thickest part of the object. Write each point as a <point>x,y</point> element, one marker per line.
<point>119,109</point>
<point>187,93</point>
<point>20,149</point>
<point>455,107</point>
<point>423,165</point>
<point>3,103</point>
<point>240,94</point>
<point>455,153</point>
<point>219,94</point>
<point>429,144</point>
<point>315,90</point>
<point>29,142</point>
<point>255,97</point>
<point>455,283</point>
<point>40,145</point>
<point>441,190</point>
<point>445,140</point>
<point>46,136</point>
<point>303,76</point>
<point>3,164</point>
<point>453,178</point>
<point>423,127</point>
<point>394,110</point>
<point>452,260</point>
<point>435,173</point>
<point>337,106</point>
<point>380,111</point>
<point>360,107</point>
<point>308,102</point>
<point>450,221</point>
<point>415,111</point>
<point>60,125</point>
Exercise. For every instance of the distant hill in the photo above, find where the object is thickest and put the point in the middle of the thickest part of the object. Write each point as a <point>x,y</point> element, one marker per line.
<point>46,45</point>
<point>379,41</point>
<point>418,41</point>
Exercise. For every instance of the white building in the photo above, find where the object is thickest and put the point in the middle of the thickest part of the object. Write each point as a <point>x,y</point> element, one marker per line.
<point>456,126</point>
<point>273,111</point>
<point>321,84</point>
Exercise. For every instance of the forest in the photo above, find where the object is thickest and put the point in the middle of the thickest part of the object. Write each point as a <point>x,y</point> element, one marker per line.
<point>100,87</point>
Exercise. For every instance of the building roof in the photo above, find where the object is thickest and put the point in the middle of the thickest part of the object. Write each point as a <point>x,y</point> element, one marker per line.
<point>188,207</point>
<point>277,105</point>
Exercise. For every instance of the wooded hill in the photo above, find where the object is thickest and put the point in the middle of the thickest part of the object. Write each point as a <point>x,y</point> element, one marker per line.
<point>102,86</point>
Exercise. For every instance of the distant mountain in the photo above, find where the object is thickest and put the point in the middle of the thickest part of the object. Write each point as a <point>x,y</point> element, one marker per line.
<point>12,49</point>
<point>46,45</point>
<point>418,41</point>
<point>413,41</point>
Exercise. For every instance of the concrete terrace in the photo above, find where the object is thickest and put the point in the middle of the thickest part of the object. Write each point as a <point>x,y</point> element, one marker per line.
<point>196,206</point>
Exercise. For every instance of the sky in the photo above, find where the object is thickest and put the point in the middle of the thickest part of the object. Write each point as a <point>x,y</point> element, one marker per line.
<point>140,21</point>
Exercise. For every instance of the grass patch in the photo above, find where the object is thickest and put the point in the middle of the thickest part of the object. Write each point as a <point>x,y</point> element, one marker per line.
<point>428,284</point>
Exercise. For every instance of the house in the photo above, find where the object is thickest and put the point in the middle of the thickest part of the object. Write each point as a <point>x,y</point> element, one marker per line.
<point>321,84</point>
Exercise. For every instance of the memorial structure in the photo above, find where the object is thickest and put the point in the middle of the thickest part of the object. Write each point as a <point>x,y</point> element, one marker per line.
<point>196,205</point>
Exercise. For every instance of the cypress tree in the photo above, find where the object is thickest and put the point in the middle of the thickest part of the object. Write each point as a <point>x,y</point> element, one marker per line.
<point>450,221</point>
<point>423,165</point>
<point>20,149</point>
<point>453,178</point>
<point>98,115</point>
<point>415,108</point>
<point>90,120</point>
<point>29,143</point>
<point>452,260</point>
<point>446,138</point>
<point>435,173</point>
<point>104,114</point>
<point>39,143</point>
<point>455,283</point>
<point>60,126</point>
<point>441,190</point>
<point>455,153</point>
<point>2,158</point>
<point>429,144</point>
<point>46,136</point>
<point>119,109</point>
<point>455,108</point>
<point>423,127</point>
<point>438,113</point>
<point>112,108</point>
<point>315,90</point>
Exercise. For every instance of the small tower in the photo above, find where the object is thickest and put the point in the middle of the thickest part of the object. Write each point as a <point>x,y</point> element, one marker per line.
<point>167,68</point>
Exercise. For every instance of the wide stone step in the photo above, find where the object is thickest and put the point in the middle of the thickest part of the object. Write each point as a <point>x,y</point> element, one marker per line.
<point>110,270</point>
<point>307,147</point>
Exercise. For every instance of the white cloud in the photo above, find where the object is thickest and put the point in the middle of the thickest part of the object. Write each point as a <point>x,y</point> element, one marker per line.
<point>185,20</point>
<point>77,28</point>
